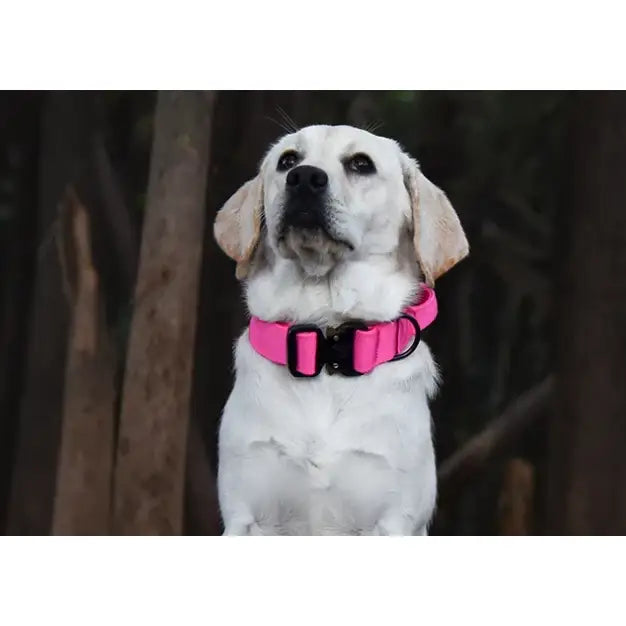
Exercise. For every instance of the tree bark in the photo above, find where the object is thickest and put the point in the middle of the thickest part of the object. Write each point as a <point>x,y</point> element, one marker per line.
<point>587,471</point>
<point>515,505</point>
<point>150,467</point>
<point>64,150</point>
<point>83,494</point>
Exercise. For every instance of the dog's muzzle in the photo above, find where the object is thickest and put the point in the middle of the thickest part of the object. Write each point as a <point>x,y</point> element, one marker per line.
<point>306,198</point>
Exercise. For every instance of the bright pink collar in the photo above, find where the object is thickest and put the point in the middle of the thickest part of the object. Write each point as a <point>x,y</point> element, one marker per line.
<point>352,349</point>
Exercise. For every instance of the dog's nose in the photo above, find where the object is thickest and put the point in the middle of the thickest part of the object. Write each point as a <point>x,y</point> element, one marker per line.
<point>307,179</point>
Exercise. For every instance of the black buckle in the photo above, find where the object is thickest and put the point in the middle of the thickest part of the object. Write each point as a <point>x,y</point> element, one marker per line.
<point>340,348</point>
<point>336,350</point>
<point>292,349</point>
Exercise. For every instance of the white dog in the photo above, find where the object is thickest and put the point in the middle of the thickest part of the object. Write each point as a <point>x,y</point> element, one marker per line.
<point>327,430</point>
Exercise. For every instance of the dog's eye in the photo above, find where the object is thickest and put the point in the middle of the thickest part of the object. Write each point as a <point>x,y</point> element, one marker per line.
<point>288,160</point>
<point>360,164</point>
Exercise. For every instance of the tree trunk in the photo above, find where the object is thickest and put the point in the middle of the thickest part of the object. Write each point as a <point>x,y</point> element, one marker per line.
<point>587,474</point>
<point>64,149</point>
<point>86,454</point>
<point>150,468</point>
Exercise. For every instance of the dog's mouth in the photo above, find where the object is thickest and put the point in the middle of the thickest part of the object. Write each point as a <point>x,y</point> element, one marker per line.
<point>310,238</point>
<point>315,250</point>
<point>307,236</point>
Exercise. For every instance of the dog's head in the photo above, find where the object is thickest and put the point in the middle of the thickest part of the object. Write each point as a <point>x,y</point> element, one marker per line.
<point>328,194</point>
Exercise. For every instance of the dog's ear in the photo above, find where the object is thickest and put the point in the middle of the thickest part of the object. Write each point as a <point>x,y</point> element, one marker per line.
<point>438,237</point>
<point>238,224</point>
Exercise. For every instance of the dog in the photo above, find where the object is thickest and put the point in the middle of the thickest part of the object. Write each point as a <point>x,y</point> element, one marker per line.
<point>327,430</point>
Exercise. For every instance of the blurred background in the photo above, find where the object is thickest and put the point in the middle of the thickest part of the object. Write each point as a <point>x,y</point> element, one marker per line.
<point>530,422</point>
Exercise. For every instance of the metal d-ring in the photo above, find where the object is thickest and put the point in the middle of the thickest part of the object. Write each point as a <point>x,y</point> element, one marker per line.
<point>411,349</point>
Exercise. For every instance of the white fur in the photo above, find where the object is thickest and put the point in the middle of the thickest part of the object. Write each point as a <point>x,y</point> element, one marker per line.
<point>332,455</point>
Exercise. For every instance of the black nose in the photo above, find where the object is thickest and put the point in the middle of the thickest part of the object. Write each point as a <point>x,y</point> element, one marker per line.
<point>306,178</point>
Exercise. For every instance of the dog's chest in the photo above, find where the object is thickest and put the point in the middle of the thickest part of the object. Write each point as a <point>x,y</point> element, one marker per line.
<point>324,455</point>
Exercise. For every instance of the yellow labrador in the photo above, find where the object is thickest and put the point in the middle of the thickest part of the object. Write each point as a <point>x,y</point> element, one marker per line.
<point>327,430</point>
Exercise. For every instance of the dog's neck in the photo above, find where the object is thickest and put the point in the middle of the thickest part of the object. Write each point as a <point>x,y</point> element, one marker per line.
<point>375,288</point>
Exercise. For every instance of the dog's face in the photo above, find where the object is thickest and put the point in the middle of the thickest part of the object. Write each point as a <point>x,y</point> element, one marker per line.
<point>329,194</point>
<point>332,193</point>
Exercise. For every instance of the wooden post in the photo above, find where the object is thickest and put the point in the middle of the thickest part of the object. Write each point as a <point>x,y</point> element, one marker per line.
<point>150,460</point>
<point>84,477</point>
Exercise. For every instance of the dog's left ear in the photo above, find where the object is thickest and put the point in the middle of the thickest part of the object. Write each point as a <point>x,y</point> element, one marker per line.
<point>438,237</point>
<point>237,225</point>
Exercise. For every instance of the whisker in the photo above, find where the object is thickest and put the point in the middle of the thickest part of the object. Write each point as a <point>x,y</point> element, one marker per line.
<point>287,118</point>
<point>372,127</point>
<point>279,124</point>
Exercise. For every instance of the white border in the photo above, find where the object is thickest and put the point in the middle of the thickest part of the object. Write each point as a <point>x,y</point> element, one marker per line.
<point>321,44</point>
<point>305,581</point>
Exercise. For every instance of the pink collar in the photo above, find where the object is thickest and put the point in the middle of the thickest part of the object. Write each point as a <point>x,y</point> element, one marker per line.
<point>352,349</point>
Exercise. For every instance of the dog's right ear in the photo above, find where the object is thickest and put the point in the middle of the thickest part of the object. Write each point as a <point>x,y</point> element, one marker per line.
<point>238,224</point>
